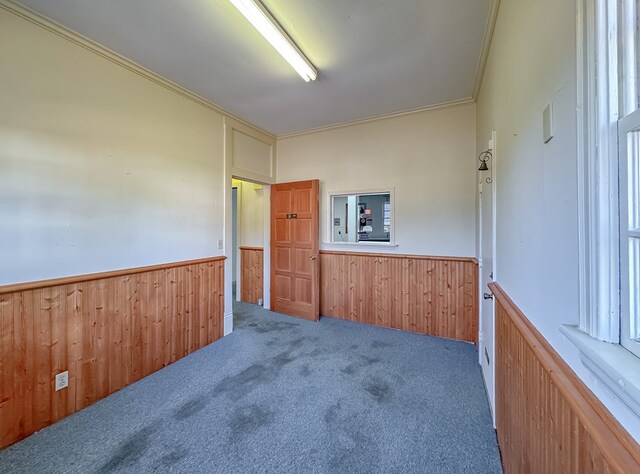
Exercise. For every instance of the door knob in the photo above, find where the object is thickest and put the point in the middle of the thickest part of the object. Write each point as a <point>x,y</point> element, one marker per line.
<point>313,257</point>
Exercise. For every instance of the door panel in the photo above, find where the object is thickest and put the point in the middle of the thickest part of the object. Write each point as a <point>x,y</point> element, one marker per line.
<point>303,262</point>
<point>282,202</point>
<point>303,200</point>
<point>303,291</point>
<point>282,286</point>
<point>303,233</point>
<point>283,230</point>
<point>282,260</point>
<point>294,249</point>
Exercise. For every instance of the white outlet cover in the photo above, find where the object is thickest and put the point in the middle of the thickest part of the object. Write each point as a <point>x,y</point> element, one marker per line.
<point>62,380</point>
<point>220,244</point>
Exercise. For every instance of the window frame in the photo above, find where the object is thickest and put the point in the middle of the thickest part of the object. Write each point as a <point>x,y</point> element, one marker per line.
<point>629,163</point>
<point>627,125</point>
<point>602,96</point>
<point>598,209</point>
<point>378,190</point>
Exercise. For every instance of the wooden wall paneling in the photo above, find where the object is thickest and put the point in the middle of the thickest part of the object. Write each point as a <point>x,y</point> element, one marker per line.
<point>60,350</point>
<point>114,339</point>
<point>426,295</point>
<point>29,346</point>
<point>8,406</point>
<point>136,328</point>
<point>177,310</point>
<point>108,330</point>
<point>547,419</point>
<point>251,274</point>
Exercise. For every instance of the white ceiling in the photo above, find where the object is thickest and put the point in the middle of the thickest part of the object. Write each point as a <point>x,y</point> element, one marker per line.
<point>374,57</point>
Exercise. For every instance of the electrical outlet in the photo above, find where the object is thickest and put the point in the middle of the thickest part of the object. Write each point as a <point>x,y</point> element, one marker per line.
<point>62,380</point>
<point>220,244</point>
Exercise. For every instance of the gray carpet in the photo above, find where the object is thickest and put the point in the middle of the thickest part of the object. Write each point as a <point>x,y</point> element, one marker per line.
<point>285,395</point>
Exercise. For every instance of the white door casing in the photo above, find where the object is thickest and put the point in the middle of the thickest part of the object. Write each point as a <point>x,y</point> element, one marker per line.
<point>487,269</point>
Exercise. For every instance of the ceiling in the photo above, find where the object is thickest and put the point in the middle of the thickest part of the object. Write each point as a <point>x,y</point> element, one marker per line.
<point>374,57</point>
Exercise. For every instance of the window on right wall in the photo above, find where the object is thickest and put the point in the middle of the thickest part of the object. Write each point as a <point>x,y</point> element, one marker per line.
<point>629,171</point>
<point>629,160</point>
<point>608,336</point>
<point>609,170</point>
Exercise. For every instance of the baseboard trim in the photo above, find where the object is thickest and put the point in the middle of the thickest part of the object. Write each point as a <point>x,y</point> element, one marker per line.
<point>228,323</point>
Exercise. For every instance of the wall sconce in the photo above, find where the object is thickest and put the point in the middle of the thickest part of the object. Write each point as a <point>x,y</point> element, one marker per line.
<point>484,157</point>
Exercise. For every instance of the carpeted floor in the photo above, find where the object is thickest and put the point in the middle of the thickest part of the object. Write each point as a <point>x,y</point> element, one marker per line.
<point>285,395</point>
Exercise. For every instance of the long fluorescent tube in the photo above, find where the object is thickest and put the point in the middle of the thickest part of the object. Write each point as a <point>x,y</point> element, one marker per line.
<point>268,27</point>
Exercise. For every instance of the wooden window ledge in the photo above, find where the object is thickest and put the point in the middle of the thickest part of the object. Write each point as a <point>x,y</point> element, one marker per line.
<point>362,244</point>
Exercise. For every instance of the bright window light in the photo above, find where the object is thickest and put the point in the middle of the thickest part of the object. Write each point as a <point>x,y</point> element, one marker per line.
<point>268,27</point>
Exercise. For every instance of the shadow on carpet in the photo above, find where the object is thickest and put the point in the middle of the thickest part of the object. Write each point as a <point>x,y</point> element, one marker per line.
<point>282,394</point>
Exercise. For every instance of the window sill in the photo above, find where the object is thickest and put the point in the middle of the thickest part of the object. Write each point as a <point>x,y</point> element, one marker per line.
<point>615,366</point>
<point>362,244</point>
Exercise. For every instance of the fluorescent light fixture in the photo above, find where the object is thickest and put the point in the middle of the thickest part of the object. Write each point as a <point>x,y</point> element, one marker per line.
<point>268,27</point>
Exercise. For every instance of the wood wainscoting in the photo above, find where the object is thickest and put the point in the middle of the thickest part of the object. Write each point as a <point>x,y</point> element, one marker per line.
<point>251,274</point>
<point>427,295</point>
<point>108,330</point>
<point>547,420</point>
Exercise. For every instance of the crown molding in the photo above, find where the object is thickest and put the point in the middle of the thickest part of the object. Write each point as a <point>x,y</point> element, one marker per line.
<point>76,38</point>
<point>486,46</point>
<point>105,53</point>
<point>443,105</point>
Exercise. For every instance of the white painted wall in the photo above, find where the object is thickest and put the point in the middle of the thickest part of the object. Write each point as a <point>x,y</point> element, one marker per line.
<point>532,62</point>
<point>251,155</point>
<point>251,215</point>
<point>100,168</point>
<point>428,157</point>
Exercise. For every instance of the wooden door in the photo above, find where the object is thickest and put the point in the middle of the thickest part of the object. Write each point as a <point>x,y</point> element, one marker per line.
<point>295,265</point>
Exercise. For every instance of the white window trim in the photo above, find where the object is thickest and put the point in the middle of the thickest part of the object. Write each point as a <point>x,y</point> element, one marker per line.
<point>630,300</point>
<point>598,223</point>
<point>379,190</point>
<point>598,336</point>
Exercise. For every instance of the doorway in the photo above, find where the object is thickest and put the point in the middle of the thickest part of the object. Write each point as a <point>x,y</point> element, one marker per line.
<point>249,238</point>
<point>487,268</point>
<point>234,239</point>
